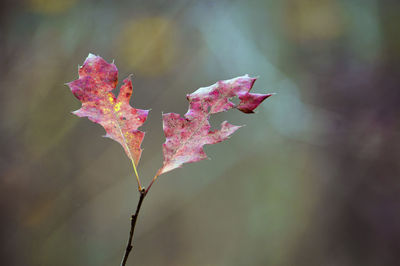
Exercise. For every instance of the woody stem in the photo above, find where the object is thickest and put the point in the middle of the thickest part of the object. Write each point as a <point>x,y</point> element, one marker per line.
<point>134,217</point>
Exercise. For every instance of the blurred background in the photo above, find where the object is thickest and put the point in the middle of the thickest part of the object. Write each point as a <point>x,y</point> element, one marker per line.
<point>313,178</point>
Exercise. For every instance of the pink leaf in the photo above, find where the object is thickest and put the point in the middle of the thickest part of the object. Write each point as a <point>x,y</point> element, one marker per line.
<point>97,79</point>
<point>185,137</point>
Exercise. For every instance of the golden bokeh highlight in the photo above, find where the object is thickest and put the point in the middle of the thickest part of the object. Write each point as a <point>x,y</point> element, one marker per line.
<point>148,45</point>
<point>50,6</point>
<point>314,20</point>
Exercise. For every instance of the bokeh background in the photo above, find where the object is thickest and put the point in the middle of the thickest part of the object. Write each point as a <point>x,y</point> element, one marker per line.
<point>313,179</point>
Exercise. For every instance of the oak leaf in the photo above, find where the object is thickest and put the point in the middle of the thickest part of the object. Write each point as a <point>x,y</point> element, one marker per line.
<point>97,79</point>
<point>186,136</point>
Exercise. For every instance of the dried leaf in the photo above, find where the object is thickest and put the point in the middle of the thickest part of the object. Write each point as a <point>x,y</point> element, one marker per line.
<point>185,137</point>
<point>97,79</point>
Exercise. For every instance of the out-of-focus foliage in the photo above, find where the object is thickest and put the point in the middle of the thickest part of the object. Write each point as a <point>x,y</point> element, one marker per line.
<point>317,184</point>
<point>50,6</point>
<point>314,20</point>
<point>148,45</point>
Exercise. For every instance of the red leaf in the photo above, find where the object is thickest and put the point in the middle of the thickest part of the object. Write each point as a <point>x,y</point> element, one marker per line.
<point>185,137</point>
<point>97,79</point>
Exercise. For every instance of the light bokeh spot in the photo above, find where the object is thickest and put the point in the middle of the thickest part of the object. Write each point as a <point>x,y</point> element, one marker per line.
<point>50,6</point>
<point>148,45</point>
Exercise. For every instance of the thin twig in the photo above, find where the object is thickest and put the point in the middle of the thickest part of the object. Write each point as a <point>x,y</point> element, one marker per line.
<point>133,224</point>
<point>154,179</point>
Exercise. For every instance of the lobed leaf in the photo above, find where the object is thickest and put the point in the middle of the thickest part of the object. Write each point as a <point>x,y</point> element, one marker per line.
<point>185,137</point>
<point>97,79</point>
